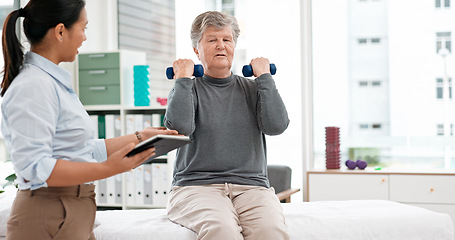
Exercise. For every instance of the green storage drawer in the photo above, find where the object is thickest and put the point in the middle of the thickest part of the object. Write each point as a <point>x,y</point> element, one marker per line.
<point>97,77</point>
<point>100,94</point>
<point>99,60</point>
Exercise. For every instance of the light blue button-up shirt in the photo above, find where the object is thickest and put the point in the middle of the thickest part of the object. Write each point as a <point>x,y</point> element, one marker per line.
<point>43,120</point>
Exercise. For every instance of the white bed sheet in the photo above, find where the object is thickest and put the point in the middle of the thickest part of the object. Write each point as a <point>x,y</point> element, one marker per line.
<point>343,220</point>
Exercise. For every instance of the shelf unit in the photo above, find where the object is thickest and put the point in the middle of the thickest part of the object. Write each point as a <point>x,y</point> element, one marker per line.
<point>104,83</point>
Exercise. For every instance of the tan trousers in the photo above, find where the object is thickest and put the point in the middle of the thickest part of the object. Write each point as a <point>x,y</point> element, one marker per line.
<point>53,213</point>
<point>228,211</point>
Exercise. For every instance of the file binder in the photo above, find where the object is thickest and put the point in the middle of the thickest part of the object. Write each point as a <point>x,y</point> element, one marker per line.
<point>130,188</point>
<point>160,184</point>
<point>148,189</point>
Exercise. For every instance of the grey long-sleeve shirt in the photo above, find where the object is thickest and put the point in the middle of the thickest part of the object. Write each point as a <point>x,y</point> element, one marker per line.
<point>226,119</point>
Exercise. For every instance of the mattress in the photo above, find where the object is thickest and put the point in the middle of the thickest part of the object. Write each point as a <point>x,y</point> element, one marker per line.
<point>341,220</point>
<point>349,220</point>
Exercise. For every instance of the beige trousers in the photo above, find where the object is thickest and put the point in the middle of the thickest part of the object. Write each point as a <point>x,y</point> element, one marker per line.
<point>63,213</point>
<point>228,211</point>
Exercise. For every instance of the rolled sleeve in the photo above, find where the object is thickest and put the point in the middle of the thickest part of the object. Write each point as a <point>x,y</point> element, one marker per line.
<point>36,174</point>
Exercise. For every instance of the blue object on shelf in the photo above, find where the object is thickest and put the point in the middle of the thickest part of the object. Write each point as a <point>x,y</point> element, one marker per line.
<point>141,85</point>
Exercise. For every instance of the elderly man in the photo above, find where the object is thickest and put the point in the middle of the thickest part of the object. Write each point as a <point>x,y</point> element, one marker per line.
<point>220,186</point>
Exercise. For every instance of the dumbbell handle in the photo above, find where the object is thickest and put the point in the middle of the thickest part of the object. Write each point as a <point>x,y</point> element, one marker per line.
<point>198,71</point>
<point>247,70</point>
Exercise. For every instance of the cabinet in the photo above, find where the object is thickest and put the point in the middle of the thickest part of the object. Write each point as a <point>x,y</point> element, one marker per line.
<point>105,86</point>
<point>348,186</point>
<point>106,78</point>
<point>430,190</point>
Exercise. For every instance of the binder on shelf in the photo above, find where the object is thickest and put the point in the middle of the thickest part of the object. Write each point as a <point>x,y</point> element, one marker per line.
<point>118,189</point>
<point>139,185</point>
<point>130,188</point>
<point>157,120</point>
<point>148,189</point>
<point>110,125</point>
<point>147,120</point>
<point>130,124</point>
<point>160,184</point>
<point>101,195</point>
<point>117,126</point>
<point>110,189</point>
<point>101,127</point>
<point>138,122</point>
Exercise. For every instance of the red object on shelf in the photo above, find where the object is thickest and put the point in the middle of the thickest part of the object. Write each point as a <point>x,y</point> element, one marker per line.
<point>162,101</point>
<point>332,147</point>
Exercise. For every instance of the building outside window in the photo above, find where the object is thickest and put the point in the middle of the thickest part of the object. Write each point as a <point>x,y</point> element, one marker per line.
<point>406,125</point>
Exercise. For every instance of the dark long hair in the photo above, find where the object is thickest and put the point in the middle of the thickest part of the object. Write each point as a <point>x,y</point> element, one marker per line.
<point>39,17</point>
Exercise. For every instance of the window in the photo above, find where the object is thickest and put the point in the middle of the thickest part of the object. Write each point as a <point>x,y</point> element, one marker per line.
<point>439,88</point>
<point>443,40</point>
<point>388,119</point>
<point>450,88</point>
<point>362,41</point>
<point>446,3</point>
<point>375,40</point>
<point>376,83</point>
<point>440,130</point>
<point>363,83</point>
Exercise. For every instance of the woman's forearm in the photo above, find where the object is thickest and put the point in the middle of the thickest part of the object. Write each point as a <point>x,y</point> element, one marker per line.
<point>67,173</point>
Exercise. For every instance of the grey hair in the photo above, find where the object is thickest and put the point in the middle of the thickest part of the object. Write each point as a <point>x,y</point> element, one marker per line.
<point>212,19</point>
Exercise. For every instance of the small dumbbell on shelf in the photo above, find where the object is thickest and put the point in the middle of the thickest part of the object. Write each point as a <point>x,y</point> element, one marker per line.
<point>359,164</point>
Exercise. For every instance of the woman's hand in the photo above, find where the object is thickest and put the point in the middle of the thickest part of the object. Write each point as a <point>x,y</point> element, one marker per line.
<point>183,68</point>
<point>260,66</point>
<point>152,131</point>
<point>118,162</point>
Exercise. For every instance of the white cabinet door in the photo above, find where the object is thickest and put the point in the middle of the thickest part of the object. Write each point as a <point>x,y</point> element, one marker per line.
<point>323,187</point>
<point>422,189</point>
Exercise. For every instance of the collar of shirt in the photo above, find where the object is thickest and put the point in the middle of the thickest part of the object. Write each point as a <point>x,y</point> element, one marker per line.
<point>56,72</point>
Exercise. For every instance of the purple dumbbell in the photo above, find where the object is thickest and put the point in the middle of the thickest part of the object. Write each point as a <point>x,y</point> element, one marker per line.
<point>361,164</point>
<point>351,164</point>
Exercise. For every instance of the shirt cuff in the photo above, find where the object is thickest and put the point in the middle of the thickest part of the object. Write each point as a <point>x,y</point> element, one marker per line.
<point>36,175</point>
